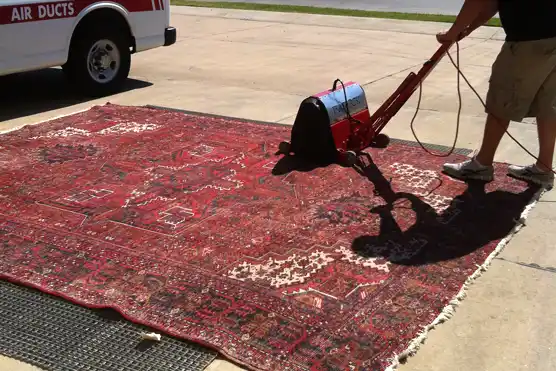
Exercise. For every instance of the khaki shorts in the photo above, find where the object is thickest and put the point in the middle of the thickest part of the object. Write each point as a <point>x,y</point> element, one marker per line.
<point>523,81</point>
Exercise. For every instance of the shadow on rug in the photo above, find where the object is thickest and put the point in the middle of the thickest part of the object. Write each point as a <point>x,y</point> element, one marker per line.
<point>472,220</point>
<point>185,223</point>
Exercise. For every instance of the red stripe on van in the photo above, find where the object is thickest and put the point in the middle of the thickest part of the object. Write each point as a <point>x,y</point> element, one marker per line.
<point>34,12</point>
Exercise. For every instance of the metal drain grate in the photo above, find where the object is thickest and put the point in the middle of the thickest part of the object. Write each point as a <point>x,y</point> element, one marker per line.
<point>432,147</point>
<point>56,335</point>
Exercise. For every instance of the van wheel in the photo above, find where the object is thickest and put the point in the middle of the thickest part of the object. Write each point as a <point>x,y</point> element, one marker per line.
<point>99,62</point>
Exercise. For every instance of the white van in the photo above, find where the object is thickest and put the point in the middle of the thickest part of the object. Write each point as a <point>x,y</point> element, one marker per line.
<point>91,39</point>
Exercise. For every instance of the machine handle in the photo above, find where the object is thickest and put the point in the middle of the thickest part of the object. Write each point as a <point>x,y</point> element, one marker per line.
<point>402,94</point>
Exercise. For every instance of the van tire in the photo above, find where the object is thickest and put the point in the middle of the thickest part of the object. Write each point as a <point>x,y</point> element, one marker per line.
<point>107,41</point>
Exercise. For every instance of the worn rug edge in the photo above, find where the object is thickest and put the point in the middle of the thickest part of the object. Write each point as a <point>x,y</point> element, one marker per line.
<point>395,361</point>
<point>450,309</point>
<point>130,318</point>
<point>49,119</point>
<point>163,331</point>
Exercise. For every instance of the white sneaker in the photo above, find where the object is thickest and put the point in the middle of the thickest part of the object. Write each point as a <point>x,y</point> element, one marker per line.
<point>470,169</point>
<point>533,174</point>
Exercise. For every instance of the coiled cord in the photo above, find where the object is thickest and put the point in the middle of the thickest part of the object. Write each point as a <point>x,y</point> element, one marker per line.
<point>460,74</point>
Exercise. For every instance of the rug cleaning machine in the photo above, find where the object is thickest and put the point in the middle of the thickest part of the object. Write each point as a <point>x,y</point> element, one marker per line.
<point>335,126</point>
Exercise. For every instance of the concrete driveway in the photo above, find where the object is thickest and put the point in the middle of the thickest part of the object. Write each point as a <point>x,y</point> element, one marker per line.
<point>261,65</point>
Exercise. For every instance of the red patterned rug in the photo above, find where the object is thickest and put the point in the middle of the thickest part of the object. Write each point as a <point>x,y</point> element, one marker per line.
<point>194,226</point>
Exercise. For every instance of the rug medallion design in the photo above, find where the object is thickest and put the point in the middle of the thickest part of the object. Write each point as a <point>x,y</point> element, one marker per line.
<point>192,225</point>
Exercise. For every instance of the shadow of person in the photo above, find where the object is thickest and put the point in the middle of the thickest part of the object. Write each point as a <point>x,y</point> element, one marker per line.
<point>473,219</point>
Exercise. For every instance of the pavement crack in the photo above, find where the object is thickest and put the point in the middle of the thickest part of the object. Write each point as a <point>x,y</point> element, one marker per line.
<point>285,118</point>
<point>421,64</point>
<point>186,38</point>
<point>530,265</point>
<point>389,75</point>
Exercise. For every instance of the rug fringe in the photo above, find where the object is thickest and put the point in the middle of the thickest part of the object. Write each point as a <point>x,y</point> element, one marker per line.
<point>450,309</point>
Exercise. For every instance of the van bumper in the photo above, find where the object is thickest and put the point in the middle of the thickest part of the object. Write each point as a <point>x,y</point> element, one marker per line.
<point>170,36</point>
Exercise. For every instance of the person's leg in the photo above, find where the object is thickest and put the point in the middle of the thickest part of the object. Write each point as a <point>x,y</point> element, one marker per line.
<point>518,73</point>
<point>501,106</point>
<point>480,166</point>
<point>540,172</point>
<point>547,140</point>
<point>544,108</point>
<point>495,129</point>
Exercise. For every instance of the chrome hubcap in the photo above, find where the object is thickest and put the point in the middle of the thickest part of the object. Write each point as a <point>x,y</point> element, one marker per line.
<point>103,61</point>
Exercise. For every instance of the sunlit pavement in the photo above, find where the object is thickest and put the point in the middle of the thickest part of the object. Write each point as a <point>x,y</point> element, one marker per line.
<point>261,65</point>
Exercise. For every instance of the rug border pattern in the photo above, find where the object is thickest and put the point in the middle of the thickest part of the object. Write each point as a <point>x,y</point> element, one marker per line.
<point>396,359</point>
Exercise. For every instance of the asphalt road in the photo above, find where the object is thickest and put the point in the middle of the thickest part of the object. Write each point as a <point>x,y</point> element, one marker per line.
<point>409,6</point>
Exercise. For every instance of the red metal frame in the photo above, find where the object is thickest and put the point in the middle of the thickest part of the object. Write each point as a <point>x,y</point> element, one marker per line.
<point>363,133</point>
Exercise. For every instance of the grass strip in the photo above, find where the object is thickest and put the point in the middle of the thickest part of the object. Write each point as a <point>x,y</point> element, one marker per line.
<point>495,22</point>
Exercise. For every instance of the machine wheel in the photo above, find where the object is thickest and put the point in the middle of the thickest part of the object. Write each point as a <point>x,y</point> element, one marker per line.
<point>350,158</point>
<point>381,141</point>
<point>99,61</point>
<point>284,148</point>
